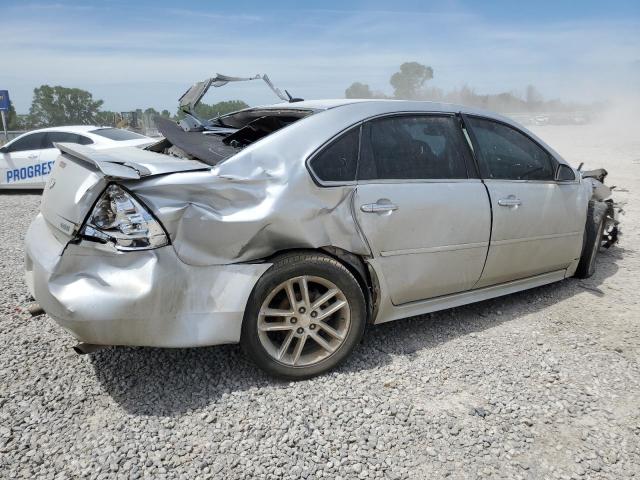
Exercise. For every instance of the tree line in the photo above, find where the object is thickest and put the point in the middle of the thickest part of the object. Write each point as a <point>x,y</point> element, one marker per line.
<point>54,106</point>
<point>57,105</point>
<point>410,82</point>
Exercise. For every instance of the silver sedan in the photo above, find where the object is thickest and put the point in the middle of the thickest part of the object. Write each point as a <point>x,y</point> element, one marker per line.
<point>289,228</point>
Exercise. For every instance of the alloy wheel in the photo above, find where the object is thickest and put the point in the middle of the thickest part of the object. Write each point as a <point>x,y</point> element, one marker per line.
<point>303,321</point>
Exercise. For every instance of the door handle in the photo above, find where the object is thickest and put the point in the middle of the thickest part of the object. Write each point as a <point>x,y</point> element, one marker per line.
<point>510,201</point>
<point>32,156</point>
<point>381,206</point>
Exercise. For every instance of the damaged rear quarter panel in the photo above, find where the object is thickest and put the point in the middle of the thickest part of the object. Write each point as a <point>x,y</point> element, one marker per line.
<point>258,202</point>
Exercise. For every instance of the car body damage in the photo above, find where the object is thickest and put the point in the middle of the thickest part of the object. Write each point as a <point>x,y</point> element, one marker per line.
<point>250,218</point>
<point>193,96</point>
<point>147,297</point>
<point>223,136</point>
<point>259,202</point>
<point>601,194</point>
<point>172,241</point>
<point>215,143</point>
<point>222,223</point>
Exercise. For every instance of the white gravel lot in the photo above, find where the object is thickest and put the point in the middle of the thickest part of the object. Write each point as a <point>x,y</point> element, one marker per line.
<point>540,384</point>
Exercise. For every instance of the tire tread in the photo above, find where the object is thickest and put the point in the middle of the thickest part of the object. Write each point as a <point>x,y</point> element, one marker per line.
<point>594,224</point>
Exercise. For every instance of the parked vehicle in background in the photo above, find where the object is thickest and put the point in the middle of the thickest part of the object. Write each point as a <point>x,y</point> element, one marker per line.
<point>26,161</point>
<point>289,227</point>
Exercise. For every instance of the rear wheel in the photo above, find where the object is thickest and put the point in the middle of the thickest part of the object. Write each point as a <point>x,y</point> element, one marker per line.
<point>304,316</point>
<point>593,231</point>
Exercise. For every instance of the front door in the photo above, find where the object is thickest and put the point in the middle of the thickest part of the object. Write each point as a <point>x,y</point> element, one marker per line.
<point>426,221</point>
<point>21,166</point>
<point>538,222</point>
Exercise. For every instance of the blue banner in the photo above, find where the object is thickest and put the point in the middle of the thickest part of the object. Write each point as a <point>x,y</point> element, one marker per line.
<point>4,100</point>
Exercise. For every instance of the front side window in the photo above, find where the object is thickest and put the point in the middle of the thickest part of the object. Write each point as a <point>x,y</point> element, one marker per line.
<point>508,154</point>
<point>338,161</point>
<point>33,141</point>
<point>413,147</point>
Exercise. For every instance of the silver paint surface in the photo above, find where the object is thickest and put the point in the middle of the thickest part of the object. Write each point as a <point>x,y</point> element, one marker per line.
<point>146,298</point>
<point>224,223</point>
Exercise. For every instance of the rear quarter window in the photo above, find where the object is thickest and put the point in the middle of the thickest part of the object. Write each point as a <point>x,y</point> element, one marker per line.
<point>117,134</point>
<point>65,137</point>
<point>338,161</point>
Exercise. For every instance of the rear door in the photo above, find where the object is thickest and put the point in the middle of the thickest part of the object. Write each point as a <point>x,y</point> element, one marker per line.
<point>425,216</point>
<point>537,222</point>
<point>21,167</point>
<point>49,153</point>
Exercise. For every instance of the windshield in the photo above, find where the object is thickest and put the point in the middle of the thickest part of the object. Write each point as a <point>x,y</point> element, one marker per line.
<point>117,134</point>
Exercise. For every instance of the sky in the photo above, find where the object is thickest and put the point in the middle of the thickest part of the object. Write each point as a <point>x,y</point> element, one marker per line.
<point>147,53</point>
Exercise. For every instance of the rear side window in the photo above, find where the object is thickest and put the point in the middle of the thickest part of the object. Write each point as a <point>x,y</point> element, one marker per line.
<point>506,153</point>
<point>68,137</point>
<point>338,161</point>
<point>420,147</point>
<point>117,134</point>
<point>33,141</point>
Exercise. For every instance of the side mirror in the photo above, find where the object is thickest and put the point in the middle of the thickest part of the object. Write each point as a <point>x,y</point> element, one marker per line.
<point>5,150</point>
<point>565,173</point>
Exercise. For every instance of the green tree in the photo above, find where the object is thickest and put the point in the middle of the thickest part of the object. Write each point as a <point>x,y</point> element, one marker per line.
<point>165,113</point>
<point>54,106</point>
<point>220,108</point>
<point>358,90</point>
<point>408,82</point>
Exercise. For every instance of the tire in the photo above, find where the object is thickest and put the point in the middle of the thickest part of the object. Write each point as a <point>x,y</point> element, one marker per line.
<point>592,240</point>
<point>273,331</point>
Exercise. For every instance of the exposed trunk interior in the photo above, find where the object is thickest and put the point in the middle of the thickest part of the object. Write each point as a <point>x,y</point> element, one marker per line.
<point>225,136</point>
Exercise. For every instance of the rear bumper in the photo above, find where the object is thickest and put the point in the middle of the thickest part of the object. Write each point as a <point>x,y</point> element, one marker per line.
<point>145,298</point>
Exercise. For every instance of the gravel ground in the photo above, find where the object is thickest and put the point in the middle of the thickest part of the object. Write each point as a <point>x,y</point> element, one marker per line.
<point>540,384</point>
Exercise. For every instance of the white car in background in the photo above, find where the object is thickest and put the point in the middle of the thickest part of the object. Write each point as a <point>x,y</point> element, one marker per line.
<point>26,161</point>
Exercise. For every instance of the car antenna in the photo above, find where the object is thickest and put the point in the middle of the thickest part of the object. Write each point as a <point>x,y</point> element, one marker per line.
<point>293,99</point>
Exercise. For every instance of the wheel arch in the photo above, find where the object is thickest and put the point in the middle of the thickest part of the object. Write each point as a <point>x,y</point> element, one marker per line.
<point>357,266</point>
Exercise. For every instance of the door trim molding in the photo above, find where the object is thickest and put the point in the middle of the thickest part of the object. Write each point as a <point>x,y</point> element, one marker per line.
<point>442,248</point>
<point>465,246</point>
<point>497,243</point>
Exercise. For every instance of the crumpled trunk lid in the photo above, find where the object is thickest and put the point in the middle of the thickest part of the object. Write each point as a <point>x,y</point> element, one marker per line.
<point>81,174</point>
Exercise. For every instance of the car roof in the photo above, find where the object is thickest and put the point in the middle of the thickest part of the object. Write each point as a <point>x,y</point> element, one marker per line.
<point>324,104</point>
<point>388,105</point>
<point>69,129</point>
<point>369,107</point>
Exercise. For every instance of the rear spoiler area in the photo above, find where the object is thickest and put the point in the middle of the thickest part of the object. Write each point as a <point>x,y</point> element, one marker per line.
<point>81,174</point>
<point>138,164</point>
<point>105,163</point>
